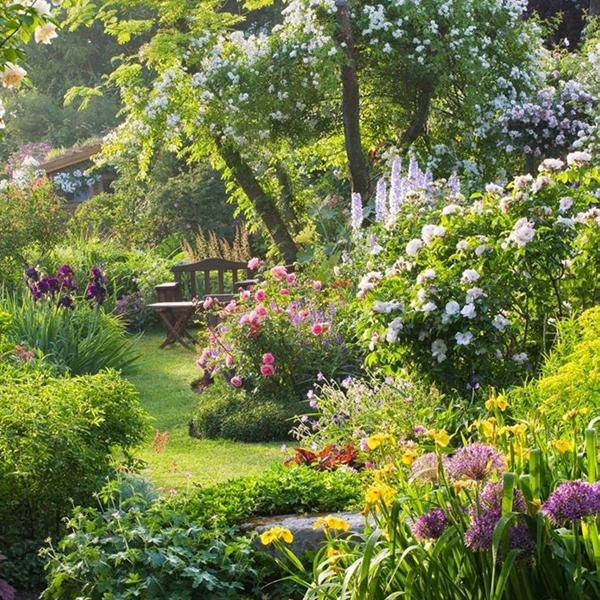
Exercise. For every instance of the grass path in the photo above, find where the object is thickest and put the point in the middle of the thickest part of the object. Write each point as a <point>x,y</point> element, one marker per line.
<point>162,378</point>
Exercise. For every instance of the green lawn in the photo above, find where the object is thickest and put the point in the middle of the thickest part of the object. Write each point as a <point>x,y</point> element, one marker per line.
<point>162,378</point>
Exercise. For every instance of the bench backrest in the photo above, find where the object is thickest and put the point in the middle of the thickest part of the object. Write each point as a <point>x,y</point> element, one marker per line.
<point>220,267</point>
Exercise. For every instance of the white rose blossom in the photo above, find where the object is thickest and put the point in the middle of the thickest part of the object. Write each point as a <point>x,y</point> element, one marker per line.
<point>439,349</point>
<point>463,339</point>
<point>469,276</point>
<point>413,247</point>
<point>576,159</point>
<point>469,311</point>
<point>522,233</point>
<point>500,322</point>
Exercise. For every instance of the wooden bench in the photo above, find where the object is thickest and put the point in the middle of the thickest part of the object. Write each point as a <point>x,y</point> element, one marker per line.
<point>214,277</point>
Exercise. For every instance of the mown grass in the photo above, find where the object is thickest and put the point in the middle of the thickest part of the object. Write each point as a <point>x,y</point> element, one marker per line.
<point>163,378</point>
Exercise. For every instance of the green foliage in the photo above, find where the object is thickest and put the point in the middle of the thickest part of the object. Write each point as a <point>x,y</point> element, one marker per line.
<point>279,491</point>
<point>188,546</point>
<point>32,222</point>
<point>224,412</point>
<point>151,550</point>
<point>85,340</point>
<point>570,378</point>
<point>57,437</point>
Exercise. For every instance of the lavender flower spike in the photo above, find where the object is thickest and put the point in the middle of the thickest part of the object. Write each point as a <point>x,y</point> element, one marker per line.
<point>380,201</point>
<point>356,212</point>
<point>396,185</point>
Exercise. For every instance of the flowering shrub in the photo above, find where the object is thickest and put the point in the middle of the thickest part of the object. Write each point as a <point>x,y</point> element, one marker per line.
<point>468,291</point>
<point>32,221</point>
<point>274,341</point>
<point>511,513</point>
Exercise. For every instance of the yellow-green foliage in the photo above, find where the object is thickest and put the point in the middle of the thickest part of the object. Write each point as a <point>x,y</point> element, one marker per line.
<point>571,376</point>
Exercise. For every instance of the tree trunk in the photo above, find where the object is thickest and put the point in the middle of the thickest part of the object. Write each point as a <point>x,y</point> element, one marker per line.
<point>359,172</point>
<point>263,203</point>
<point>286,198</point>
<point>421,116</point>
<point>595,8</point>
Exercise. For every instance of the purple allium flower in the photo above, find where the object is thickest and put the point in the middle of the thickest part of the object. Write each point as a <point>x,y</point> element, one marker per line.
<point>431,525</point>
<point>486,515</point>
<point>572,501</point>
<point>424,469</point>
<point>475,461</point>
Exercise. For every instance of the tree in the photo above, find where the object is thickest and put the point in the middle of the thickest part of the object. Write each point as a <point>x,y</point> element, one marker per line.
<point>317,91</point>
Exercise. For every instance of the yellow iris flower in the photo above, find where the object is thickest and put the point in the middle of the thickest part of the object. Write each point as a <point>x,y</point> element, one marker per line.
<point>331,522</point>
<point>276,533</point>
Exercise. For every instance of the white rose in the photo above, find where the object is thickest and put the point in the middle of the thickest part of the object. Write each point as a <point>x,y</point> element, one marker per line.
<point>13,75</point>
<point>45,33</point>
<point>452,308</point>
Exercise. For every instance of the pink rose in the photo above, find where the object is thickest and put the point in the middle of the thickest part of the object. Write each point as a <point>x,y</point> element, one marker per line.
<point>253,263</point>
<point>245,294</point>
<point>304,313</point>
<point>207,303</point>
<point>260,295</point>
<point>229,361</point>
<point>284,292</point>
<point>261,311</point>
<point>268,358</point>
<point>236,381</point>
<point>267,370</point>
<point>317,329</point>
<point>201,363</point>
<point>291,278</point>
<point>317,286</point>
<point>278,272</point>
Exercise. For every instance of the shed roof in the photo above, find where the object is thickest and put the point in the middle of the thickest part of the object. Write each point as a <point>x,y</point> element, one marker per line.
<point>72,158</point>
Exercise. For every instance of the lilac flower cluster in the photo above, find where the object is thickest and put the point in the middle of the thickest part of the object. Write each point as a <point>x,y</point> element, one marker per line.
<point>551,123</point>
<point>485,517</point>
<point>59,287</point>
<point>572,501</point>
<point>96,289</point>
<point>475,461</point>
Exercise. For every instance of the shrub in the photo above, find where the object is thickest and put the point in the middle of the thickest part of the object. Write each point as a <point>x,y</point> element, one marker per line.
<point>269,347</point>
<point>57,437</point>
<point>570,378</point>
<point>468,292</point>
<point>227,413</point>
<point>83,340</point>
<point>32,221</point>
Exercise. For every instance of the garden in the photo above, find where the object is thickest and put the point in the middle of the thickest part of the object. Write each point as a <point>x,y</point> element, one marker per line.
<point>401,398</point>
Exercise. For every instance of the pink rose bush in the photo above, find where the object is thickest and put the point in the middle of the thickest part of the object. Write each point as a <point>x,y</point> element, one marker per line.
<point>272,341</point>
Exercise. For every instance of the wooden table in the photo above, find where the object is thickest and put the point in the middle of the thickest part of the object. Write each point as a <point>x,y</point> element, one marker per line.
<point>175,317</point>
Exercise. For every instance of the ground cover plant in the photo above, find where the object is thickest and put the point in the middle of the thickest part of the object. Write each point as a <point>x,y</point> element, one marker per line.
<point>189,546</point>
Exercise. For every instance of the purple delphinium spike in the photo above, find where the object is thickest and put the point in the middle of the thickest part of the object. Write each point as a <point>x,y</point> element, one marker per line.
<point>454,184</point>
<point>428,180</point>
<point>396,192</point>
<point>380,201</point>
<point>356,212</point>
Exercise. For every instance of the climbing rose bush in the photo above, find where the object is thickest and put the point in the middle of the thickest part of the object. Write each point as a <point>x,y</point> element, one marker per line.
<point>468,290</point>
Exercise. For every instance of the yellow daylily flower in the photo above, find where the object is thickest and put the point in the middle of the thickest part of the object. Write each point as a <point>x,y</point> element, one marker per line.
<point>500,403</point>
<point>276,533</point>
<point>377,439</point>
<point>331,522</point>
<point>563,445</point>
<point>441,438</point>
<point>380,493</point>
<point>409,456</point>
